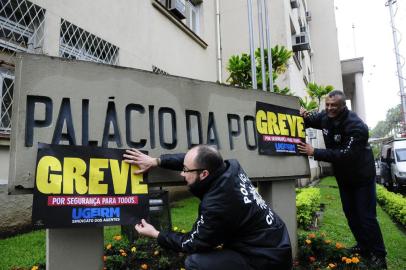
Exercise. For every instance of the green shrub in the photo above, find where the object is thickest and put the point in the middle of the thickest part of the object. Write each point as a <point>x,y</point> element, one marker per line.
<point>307,203</point>
<point>393,204</point>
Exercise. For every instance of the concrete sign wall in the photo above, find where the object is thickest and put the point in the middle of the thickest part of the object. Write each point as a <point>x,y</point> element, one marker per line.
<point>60,101</point>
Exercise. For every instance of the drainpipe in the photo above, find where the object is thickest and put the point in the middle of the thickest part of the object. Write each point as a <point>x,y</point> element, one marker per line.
<point>251,42</point>
<point>218,34</point>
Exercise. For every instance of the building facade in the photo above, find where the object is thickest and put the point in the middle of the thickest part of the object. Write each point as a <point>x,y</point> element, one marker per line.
<point>188,38</point>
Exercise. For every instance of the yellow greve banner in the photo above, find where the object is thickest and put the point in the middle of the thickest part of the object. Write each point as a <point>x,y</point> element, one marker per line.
<point>87,186</point>
<point>68,176</point>
<point>279,129</point>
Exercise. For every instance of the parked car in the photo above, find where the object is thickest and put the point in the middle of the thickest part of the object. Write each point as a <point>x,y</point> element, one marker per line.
<point>393,163</point>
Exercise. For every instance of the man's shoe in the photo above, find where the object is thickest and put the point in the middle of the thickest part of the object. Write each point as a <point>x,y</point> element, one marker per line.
<point>377,262</point>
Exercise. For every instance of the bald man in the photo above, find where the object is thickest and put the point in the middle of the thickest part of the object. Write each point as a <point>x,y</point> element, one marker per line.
<point>347,148</point>
<point>231,214</point>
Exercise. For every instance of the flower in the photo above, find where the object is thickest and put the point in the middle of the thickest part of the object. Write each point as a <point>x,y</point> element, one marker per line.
<point>183,231</point>
<point>311,235</point>
<point>108,246</point>
<point>156,252</point>
<point>144,266</point>
<point>104,258</point>
<point>175,229</point>
<point>123,254</point>
<point>339,245</point>
<point>308,241</point>
<point>343,259</point>
<point>117,237</point>
<point>133,249</point>
<point>348,261</point>
<point>182,268</point>
<point>121,251</point>
<point>34,267</point>
<point>327,241</point>
<point>323,234</point>
<point>355,260</point>
<point>312,259</point>
<point>332,265</point>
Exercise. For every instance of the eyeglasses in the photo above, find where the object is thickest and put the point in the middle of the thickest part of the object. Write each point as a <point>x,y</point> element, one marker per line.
<point>186,170</point>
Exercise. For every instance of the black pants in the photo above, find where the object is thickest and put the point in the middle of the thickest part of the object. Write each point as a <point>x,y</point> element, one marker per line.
<point>227,259</point>
<point>359,205</point>
<point>217,260</point>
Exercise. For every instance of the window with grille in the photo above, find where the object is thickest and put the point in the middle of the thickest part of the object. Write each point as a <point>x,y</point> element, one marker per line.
<point>6,91</point>
<point>21,30</point>
<point>157,70</point>
<point>76,43</point>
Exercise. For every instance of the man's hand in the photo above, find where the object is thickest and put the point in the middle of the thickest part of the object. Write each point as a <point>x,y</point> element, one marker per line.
<point>146,229</point>
<point>143,161</point>
<point>305,148</point>
<point>303,112</point>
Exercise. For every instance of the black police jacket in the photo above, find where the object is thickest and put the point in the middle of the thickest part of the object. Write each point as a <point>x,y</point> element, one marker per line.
<point>347,148</point>
<point>232,214</point>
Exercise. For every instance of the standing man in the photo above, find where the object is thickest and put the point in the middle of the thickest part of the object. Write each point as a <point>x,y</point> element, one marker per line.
<point>231,215</point>
<point>347,148</point>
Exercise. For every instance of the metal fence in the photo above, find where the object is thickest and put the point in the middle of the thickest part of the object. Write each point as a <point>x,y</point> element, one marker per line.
<point>22,30</point>
<point>76,43</point>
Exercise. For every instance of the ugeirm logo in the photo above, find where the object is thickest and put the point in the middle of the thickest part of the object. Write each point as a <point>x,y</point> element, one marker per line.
<point>104,212</point>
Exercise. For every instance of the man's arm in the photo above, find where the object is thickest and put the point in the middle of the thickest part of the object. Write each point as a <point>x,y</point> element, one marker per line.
<point>207,233</point>
<point>348,150</point>
<point>145,162</point>
<point>311,119</point>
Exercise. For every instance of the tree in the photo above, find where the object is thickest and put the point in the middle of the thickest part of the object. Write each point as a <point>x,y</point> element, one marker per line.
<point>308,104</point>
<point>239,67</point>
<point>391,125</point>
<point>318,91</point>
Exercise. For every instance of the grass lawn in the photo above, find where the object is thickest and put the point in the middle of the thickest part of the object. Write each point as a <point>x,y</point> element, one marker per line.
<point>335,225</point>
<point>28,249</point>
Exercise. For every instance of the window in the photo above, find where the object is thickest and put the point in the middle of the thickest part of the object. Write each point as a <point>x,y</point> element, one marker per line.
<point>193,17</point>
<point>6,91</point>
<point>21,30</point>
<point>186,11</point>
<point>401,154</point>
<point>157,70</point>
<point>76,43</point>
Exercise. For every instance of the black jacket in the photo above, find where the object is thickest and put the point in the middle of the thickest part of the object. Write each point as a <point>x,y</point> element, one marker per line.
<point>232,214</point>
<point>347,148</point>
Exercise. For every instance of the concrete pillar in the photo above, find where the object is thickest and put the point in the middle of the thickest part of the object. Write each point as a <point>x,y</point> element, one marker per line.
<point>79,248</point>
<point>358,100</point>
<point>281,196</point>
<point>52,28</point>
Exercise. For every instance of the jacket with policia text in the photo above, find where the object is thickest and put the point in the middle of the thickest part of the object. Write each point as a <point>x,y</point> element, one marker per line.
<point>232,214</point>
<point>347,148</point>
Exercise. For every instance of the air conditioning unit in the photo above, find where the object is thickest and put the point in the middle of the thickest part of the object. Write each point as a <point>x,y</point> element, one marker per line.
<point>308,16</point>
<point>177,8</point>
<point>294,3</point>
<point>300,42</point>
<point>162,2</point>
<point>196,2</point>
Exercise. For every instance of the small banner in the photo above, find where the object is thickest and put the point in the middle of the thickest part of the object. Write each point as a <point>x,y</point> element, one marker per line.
<point>78,186</point>
<point>279,129</point>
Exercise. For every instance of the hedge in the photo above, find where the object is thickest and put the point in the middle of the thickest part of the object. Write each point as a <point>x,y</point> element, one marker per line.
<point>307,203</point>
<point>394,204</point>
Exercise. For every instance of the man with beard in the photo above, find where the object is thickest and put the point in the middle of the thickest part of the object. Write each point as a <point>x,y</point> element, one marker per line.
<point>235,229</point>
<point>347,148</point>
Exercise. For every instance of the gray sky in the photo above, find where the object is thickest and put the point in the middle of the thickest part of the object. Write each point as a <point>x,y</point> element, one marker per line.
<point>372,39</point>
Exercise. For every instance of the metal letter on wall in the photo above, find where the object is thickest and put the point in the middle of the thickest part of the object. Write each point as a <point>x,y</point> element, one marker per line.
<point>82,103</point>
